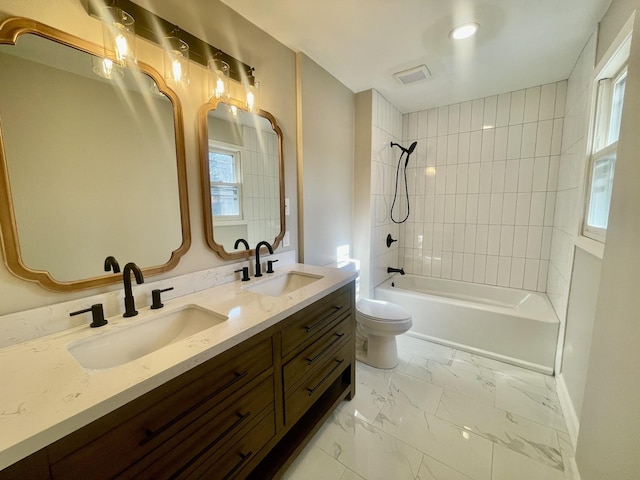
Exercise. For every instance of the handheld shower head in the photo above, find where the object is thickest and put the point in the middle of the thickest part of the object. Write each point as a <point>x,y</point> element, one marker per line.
<point>409,150</point>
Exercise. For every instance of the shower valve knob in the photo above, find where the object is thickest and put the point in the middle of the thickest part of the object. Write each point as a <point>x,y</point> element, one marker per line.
<point>390,240</point>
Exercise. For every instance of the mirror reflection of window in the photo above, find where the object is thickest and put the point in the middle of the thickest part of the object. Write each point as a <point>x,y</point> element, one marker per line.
<point>226,183</point>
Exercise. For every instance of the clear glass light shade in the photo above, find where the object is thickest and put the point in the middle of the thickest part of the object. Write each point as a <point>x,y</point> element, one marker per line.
<point>176,61</point>
<point>253,96</point>
<point>106,68</point>
<point>219,79</point>
<point>118,32</point>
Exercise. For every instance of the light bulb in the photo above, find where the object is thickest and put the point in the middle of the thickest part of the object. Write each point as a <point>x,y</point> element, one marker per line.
<point>177,70</point>
<point>218,79</point>
<point>122,47</point>
<point>250,100</point>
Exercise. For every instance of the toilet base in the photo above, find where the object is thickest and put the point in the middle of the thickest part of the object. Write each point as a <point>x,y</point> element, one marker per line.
<point>379,352</point>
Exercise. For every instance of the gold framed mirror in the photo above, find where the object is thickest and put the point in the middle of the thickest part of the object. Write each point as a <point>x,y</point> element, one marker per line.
<point>242,173</point>
<point>90,167</point>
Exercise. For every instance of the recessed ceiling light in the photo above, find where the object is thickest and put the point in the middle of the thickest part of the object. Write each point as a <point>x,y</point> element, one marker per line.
<point>465,30</point>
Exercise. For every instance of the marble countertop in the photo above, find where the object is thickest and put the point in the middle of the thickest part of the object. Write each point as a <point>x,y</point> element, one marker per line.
<point>47,394</point>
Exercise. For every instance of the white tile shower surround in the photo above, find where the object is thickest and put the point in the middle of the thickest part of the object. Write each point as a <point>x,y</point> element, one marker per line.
<point>483,188</point>
<point>442,414</point>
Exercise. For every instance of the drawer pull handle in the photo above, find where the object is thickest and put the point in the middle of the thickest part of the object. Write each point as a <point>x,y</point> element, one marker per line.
<point>151,434</point>
<point>241,418</point>
<point>335,308</point>
<point>243,458</point>
<point>338,336</point>
<point>312,390</point>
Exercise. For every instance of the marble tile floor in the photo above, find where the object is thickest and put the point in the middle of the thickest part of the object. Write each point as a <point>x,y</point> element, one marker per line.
<point>442,414</point>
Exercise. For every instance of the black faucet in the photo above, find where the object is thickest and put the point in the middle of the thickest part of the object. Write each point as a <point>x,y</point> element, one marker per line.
<point>395,270</point>
<point>258,272</point>
<point>129,301</point>
<point>111,264</point>
<point>244,270</point>
<point>244,242</point>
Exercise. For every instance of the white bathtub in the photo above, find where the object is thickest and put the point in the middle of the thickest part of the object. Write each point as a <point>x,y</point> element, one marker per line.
<point>513,326</point>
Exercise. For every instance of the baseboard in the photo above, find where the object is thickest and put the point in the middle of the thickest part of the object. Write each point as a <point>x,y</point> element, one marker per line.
<point>569,412</point>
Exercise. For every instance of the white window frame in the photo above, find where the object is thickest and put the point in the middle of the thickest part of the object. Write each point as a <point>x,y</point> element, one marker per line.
<point>236,153</point>
<point>611,69</point>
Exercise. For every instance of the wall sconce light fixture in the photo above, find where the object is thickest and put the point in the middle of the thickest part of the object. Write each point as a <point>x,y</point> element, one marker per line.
<point>176,59</point>
<point>218,79</point>
<point>118,31</point>
<point>252,92</point>
<point>119,39</point>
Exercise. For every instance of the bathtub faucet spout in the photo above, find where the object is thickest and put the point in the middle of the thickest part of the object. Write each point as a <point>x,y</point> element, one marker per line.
<point>395,270</point>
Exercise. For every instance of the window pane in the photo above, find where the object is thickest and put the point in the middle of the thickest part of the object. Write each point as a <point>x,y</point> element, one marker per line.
<point>221,167</point>
<point>224,200</point>
<point>601,183</point>
<point>616,109</point>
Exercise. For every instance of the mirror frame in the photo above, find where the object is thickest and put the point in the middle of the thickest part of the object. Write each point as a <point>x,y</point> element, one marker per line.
<point>10,31</point>
<point>203,135</point>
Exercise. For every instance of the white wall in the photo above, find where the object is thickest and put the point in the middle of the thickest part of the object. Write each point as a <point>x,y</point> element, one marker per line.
<point>378,123</point>
<point>483,188</point>
<point>569,199</point>
<point>585,282</point>
<point>362,189</point>
<point>327,116</point>
<point>386,128</point>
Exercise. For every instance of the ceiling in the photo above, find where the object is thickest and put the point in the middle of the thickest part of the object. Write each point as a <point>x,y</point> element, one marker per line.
<point>362,43</point>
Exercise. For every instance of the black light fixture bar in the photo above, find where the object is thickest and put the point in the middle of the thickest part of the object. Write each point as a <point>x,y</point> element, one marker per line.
<point>154,28</point>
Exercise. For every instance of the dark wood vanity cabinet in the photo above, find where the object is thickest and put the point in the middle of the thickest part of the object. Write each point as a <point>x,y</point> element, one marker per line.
<point>245,413</point>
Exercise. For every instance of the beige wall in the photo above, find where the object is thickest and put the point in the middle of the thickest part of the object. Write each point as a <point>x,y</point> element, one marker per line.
<point>609,424</point>
<point>327,132</point>
<point>618,13</point>
<point>217,24</point>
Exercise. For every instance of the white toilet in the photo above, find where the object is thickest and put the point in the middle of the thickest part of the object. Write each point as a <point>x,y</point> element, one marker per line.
<point>378,324</point>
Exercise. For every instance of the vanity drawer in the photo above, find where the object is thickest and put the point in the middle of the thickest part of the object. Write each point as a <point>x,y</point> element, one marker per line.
<point>233,462</point>
<point>316,353</point>
<point>301,397</point>
<point>170,419</point>
<point>215,429</point>
<point>314,319</point>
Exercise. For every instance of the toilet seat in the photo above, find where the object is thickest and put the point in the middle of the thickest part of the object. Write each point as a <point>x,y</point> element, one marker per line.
<point>381,310</point>
<point>383,316</point>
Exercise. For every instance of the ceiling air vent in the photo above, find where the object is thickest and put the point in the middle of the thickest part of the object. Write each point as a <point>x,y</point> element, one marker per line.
<point>413,75</point>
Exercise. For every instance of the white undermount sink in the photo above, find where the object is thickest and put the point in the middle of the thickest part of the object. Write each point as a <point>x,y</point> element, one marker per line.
<point>282,284</point>
<point>131,342</point>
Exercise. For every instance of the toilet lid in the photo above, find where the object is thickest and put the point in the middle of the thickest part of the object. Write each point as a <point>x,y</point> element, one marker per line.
<point>382,310</point>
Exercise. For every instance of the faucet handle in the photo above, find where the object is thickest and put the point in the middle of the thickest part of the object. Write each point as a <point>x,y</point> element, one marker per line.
<point>245,273</point>
<point>156,297</point>
<point>97,315</point>
<point>270,265</point>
